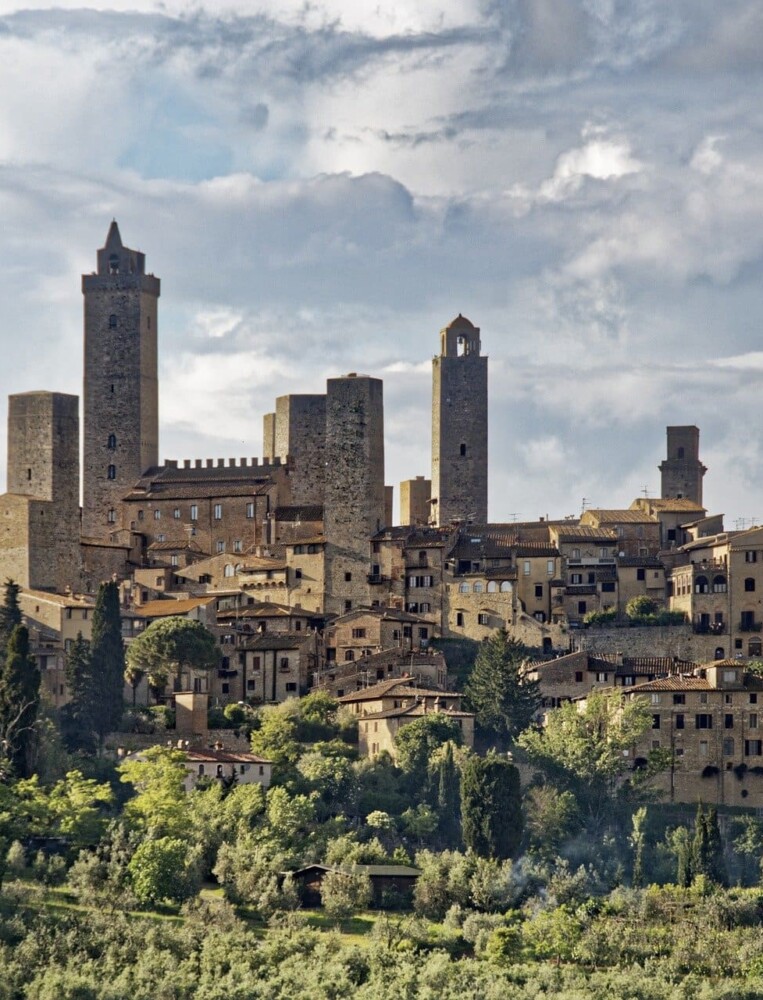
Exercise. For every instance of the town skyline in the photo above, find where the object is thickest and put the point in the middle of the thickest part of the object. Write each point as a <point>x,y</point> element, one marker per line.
<point>609,256</point>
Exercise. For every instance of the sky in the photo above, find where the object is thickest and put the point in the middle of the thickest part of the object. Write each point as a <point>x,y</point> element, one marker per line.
<point>322,185</point>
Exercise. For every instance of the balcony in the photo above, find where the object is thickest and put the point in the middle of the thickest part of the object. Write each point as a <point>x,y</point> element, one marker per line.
<point>374,578</point>
<point>750,626</point>
<point>708,628</point>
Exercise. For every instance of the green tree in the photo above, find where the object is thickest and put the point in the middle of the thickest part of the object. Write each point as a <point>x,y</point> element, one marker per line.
<point>345,893</point>
<point>160,807</point>
<point>491,806</point>
<point>587,751</point>
<point>707,846</point>
<point>504,700</point>
<point>638,837</point>
<point>680,844</point>
<point>170,646</point>
<point>19,701</point>
<point>161,869</point>
<point>78,715</point>
<point>551,816</point>
<point>107,661</point>
<point>641,606</point>
<point>449,800</point>
<point>10,613</point>
<point>416,741</point>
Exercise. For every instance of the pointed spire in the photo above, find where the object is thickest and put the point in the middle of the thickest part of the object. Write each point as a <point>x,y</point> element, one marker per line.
<point>113,239</point>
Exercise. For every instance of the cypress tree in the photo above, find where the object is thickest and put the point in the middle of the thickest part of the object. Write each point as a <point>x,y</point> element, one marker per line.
<point>491,806</point>
<point>77,717</point>
<point>700,855</point>
<point>716,866</point>
<point>10,612</point>
<point>19,700</point>
<point>107,661</point>
<point>449,800</point>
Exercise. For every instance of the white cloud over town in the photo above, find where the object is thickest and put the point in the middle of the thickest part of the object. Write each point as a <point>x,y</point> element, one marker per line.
<point>322,187</point>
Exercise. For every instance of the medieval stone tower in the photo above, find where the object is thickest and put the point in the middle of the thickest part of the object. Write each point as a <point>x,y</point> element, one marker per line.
<point>121,393</point>
<point>682,470</point>
<point>297,431</point>
<point>354,488</point>
<point>39,547</point>
<point>459,426</point>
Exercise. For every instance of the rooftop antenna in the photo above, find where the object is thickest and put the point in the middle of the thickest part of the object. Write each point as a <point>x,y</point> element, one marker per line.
<point>514,515</point>
<point>645,491</point>
<point>585,504</point>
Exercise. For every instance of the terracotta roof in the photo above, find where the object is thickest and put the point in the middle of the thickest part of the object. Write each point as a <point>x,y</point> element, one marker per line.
<point>62,600</point>
<point>391,691</point>
<point>416,710</point>
<point>677,504</point>
<point>584,532</point>
<point>623,516</point>
<point>178,545</point>
<point>277,640</point>
<point>677,682</point>
<point>170,608</point>
<point>222,757</point>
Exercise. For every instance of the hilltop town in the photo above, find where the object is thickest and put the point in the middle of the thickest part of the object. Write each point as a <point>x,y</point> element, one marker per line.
<point>299,565</point>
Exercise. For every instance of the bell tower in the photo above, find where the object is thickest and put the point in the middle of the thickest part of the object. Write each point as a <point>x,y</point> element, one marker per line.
<point>121,389</point>
<point>459,426</point>
<point>682,471</point>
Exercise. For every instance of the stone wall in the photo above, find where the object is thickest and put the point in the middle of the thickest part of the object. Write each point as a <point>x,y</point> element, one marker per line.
<point>673,640</point>
<point>300,436</point>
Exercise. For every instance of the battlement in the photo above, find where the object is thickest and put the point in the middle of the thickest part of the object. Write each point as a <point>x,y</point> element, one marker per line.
<point>223,463</point>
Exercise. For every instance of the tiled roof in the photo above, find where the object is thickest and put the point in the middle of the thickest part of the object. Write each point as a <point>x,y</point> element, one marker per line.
<point>621,516</point>
<point>202,490</point>
<point>585,533</point>
<point>277,640</point>
<point>649,562</point>
<point>676,682</point>
<point>416,710</point>
<point>377,690</point>
<point>178,545</point>
<point>170,608</point>
<point>62,600</point>
<point>674,504</point>
<point>223,756</point>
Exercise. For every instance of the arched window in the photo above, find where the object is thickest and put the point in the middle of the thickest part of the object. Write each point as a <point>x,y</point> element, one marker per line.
<point>112,472</point>
<point>477,587</point>
<point>113,321</point>
<point>463,449</point>
<point>719,585</point>
<point>112,442</point>
<point>719,653</point>
<point>349,654</point>
<point>492,587</point>
<point>114,263</point>
<point>701,586</point>
<point>505,587</point>
<point>749,584</point>
<point>463,588</point>
<point>229,570</point>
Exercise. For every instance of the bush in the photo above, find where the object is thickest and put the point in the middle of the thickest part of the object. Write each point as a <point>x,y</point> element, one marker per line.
<point>16,858</point>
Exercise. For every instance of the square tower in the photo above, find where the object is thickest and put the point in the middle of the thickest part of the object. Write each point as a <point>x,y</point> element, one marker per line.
<point>121,389</point>
<point>459,426</point>
<point>354,505</point>
<point>682,471</point>
<point>42,549</point>
<point>300,436</point>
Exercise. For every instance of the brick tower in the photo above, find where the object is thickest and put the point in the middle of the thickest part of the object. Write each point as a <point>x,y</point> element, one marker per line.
<point>682,470</point>
<point>121,392</point>
<point>459,426</point>
<point>354,486</point>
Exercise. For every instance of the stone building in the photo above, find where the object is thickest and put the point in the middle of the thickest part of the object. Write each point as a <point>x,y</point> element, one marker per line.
<point>415,495</point>
<point>682,472</point>
<point>39,538</point>
<point>459,426</point>
<point>354,505</point>
<point>296,433</point>
<point>121,390</point>
<point>370,630</point>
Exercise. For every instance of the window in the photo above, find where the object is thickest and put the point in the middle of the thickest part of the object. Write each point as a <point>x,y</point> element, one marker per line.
<point>483,619</point>
<point>656,721</point>
<point>194,512</point>
<point>728,721</point>
<point>550,567</point>
<point>112,516</point>
<point>218,512</point>
<point>425,608</point>
<point>349,654</point>
<point>291,687</point>
<point>347,577</point>
<point>728,746</point>
<point>576,578</point>
<point>113,321</point>
<point>348,605</point>
<point>576,553</point>
<point>629,681</point>
<point>608,587</point>
<point>505,587</point>
<point>753,748</point>
<point>701,586</point>
<point>174,560</point>
<point>462,449</point>
<point>157,515</point>
<point>526,567</point>
<point>250,510</point>
<point>477,588</point>
<point>582,607</point>
<point>140,515</point>
<point>749,585</point>
<point>601,677</point>
<point>719,585</point>
<point>703,746</point>
<point>729,677</point>
<point>679,699</point>
<point>161,537</point>
<point>752,721</point>
<point>225,688</point>
<point>358,633</point>
<point>112,442</point>
<point>423,633</point>
<point>751,556</point>
<point>407,632</point>
<point>459,619</point>
<point>539,590</point>
<point>219,546</point>
<point>463,588</point>
<point>112,472</point>
<point>703,698</point>
<point>680,721</point>
<point>237,545</point>
<point>578,676</point>
<point>703,720</point>
<point>229,570</point>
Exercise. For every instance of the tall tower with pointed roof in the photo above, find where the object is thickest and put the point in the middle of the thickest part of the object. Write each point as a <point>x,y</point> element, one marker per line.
<point>121,390</point>
<point>459,426</point>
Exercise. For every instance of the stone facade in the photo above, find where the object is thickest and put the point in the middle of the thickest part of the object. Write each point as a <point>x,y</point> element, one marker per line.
<point>459,426</point>
<point>682,472</point>
<point>121,391</point>
<point>300,437</point>
<point>354,501</point>
<point>414,500</point>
